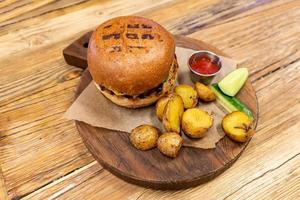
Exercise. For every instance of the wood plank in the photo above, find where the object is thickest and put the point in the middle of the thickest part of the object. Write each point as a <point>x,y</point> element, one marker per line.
<point>35,122</point>
<point>3,192</point>
<point>185,19</point>
<point>37,35</point>
<point>43,62</point>
<point>282,182</point>
<point>66,183</point>
<point>107,187</point>
<point>199,13</point>
<point>92,173</point>
<point>270,81</point>
<point>19,11</point>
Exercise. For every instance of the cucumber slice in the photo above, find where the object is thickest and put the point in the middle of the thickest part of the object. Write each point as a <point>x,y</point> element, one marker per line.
<point>234,81</point>
<point>230,103</point>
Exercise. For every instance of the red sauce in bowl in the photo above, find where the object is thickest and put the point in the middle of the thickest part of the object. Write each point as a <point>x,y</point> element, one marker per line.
<point>203,64</point>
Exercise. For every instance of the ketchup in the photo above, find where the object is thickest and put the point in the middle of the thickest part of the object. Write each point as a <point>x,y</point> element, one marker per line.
<point>203,64</point>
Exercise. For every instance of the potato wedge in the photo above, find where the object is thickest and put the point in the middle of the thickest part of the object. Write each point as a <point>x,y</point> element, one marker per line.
<point>238,126</point>
<point>169,144</point>
<point>144,137</point>
<point>173,113</point>
<point>204,92</point>
<point>188,94</point>
<point>160,106</point>
<point>196,122</point>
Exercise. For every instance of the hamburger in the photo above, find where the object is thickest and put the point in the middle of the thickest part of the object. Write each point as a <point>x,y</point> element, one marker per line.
<point>132,61</point>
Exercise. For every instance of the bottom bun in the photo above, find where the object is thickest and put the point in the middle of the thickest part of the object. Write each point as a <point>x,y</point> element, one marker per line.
<point>168,86</point>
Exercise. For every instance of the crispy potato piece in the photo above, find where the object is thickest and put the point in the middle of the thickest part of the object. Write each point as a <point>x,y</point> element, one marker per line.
<point>238,126</point>
<point>160,106</point>
<point>144,137</point>
<point>188,94</point>
<point>204,92</point>
<point>169,144</point>
<point>196,122</point>
<point>173,113</point>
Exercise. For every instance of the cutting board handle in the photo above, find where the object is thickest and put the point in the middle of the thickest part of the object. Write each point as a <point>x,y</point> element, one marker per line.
<point>75,53</point>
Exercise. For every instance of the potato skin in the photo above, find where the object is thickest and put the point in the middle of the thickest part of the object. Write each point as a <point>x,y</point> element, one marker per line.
<point>169,144</point>
<point>204,92</point>
<point>188,94</point>
<point>173,113</point>
<point>144,137</point>
<point>196,122</point>
<point>238,126</point>
<point>160,107</point>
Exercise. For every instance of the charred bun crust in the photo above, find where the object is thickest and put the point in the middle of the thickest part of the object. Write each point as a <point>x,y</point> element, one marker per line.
<point>130,54</point>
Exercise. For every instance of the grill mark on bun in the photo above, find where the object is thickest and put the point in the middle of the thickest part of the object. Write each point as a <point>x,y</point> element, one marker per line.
<point>137,47</point>
<point>132,36</point>
<point>147,36</point>
<point>116,48</point>
<point>146,26</point>
<point>133,26</point>
<point>114,36</point>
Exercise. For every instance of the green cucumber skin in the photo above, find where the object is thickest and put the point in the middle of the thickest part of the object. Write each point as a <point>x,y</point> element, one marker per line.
<point>242,107</point>
<point>224,100</point>
<point>230,103</point>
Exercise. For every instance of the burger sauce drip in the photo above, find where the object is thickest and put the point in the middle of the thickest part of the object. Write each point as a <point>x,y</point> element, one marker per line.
<point>203,65</point>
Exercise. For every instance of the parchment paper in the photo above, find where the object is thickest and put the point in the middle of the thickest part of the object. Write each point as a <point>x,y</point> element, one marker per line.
<point>93,108</point>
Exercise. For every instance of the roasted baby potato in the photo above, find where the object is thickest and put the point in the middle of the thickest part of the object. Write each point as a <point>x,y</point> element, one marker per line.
<point>169,144</point>
<point>204,92</point>
<point>188,94</point>
<point>238,126</point>
<point>144,137</point>
<point>173,113</point>
<point>195,122</point>
<point>160,106</point>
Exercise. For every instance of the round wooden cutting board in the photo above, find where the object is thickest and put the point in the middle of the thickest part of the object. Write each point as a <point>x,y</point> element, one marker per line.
<point>193,166</point>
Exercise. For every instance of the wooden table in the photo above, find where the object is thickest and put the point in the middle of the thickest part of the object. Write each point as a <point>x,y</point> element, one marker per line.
<point>42,155</point>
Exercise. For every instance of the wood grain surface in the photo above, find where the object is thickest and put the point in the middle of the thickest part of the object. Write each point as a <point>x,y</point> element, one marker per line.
<point>42,155</point>
<point>151,169</point>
